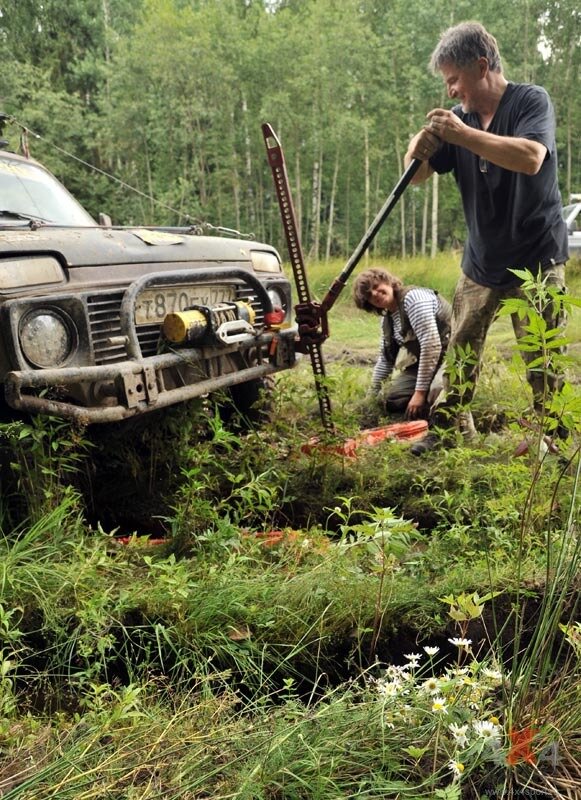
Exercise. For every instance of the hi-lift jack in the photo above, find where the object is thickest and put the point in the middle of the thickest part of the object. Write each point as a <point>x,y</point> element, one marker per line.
<point>312,317</point>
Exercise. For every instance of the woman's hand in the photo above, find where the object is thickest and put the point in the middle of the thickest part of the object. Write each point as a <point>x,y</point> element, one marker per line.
<point>416,408</point>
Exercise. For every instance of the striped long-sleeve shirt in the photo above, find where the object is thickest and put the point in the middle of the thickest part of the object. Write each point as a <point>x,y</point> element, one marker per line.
<point>423,307</point>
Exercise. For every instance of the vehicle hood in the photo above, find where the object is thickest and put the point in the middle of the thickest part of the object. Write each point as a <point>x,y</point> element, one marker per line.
<point>103,246</point>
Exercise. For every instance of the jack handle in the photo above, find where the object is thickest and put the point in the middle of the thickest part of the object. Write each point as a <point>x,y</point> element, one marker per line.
<point>339,283</point>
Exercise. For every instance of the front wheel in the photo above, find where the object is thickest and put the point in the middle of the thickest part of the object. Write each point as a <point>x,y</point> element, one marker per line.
<point>250,404</point>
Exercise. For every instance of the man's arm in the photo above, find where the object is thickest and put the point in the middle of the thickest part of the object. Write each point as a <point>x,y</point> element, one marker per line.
<point>509,152</point>
<point>423,146</point>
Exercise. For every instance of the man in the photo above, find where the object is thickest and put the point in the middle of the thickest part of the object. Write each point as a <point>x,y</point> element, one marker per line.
<point>499,142</point>
<point>415,328</point>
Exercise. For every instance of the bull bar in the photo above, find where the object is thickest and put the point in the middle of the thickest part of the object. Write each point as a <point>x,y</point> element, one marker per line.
<point>139,380</point>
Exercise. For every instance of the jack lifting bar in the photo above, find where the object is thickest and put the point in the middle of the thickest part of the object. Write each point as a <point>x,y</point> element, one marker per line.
<point>311,316</point>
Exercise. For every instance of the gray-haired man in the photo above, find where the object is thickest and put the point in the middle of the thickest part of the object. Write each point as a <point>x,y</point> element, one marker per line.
<point>499,142</point>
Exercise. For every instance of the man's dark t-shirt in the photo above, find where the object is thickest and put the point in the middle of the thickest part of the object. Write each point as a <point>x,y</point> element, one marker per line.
<point>514,220</point>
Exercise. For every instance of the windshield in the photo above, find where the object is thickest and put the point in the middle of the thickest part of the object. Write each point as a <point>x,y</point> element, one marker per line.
<point>27,190</point>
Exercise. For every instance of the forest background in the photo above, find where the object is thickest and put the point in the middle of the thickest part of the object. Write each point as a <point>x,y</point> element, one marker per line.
<point>168,96</point>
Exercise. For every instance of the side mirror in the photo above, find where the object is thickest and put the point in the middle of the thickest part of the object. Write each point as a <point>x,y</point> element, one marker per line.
<point>105,220</point>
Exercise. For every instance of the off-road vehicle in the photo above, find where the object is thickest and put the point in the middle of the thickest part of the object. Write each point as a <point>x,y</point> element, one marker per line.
<point>572,216</point>
<point>101,323</point>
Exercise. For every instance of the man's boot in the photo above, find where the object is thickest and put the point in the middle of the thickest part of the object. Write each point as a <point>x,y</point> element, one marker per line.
<point>430,442</point>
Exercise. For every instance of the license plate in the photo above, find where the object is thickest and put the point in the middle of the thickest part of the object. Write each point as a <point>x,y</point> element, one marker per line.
<point>153,305</point>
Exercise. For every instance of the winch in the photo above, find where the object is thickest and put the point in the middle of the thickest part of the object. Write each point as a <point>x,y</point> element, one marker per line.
<point>224,323</point>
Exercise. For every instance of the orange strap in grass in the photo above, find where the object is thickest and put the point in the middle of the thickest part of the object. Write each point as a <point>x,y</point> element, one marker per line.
<point>400,431</point>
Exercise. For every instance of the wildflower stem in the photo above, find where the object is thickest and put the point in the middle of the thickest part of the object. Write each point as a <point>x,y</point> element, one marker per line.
<point>436,744</point>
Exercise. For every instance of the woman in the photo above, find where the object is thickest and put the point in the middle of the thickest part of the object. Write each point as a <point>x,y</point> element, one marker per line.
<point>415,332</point>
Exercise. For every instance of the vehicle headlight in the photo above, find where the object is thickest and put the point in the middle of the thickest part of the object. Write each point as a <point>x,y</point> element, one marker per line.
<point>276,298</point>
<point>263,261</point>
<point>29,271</point>
<point>47,337</point>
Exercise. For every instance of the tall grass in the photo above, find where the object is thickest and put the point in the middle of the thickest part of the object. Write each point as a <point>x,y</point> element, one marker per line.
<point>324,662</point>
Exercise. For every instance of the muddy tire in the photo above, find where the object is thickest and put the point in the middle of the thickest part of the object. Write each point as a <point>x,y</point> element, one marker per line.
<point>250,404</point>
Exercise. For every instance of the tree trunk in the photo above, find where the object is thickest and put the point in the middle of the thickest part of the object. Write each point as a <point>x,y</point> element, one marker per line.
<point>414,235</point>
<point>332,207</point>
<point>402,201</point>
<point>348,216</point>
<point>425,218</point>
<point>435,186</point>
<point>107,26</point>
<point>201,168</point>
<point>319,207</point>
<point>568,77</point>
<point>235,176</point>
<point>149,183</point>
<point>250,198</point>
<point>378,203</point>
<point>298,196</point>
<point>569,157</point>
<point>236,195</point>
<point>265,234</point>
<point>367,185</point>
<point>316,209</point>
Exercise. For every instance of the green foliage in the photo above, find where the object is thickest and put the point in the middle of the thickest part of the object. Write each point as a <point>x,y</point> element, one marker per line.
<point>40,458</point>
<point>460,362</point>
<point>465,607</point>
<point>168,97</point>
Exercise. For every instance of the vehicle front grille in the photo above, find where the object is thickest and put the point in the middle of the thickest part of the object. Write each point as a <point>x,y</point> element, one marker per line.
<point>104,311</point>
<point>149,339</point>
<point>104,325</point>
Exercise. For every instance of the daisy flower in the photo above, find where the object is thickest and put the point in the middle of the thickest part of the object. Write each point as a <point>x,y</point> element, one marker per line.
<point>431,685</point>
<point>457,672</point>
<point>487,730</point>
<point>431,651</point>
<point>462,643</point>
<point>460,734</point>
<point>492,674</point>
<point>456,767</point>
<point>439,705</point>
<point>397,672</point>
<point>388,688</point>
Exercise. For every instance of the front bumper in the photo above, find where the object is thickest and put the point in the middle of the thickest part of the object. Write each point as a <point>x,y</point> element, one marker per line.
<point>131,382</point>
<point>139,386</point>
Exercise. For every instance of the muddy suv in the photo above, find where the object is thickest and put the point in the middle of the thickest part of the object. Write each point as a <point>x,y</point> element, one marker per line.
<point>101,323</point>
